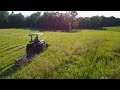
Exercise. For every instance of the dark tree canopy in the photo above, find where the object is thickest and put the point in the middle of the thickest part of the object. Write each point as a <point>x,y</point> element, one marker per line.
<point>55,21</point>
<point>16,20</point>
<point>3,18</point>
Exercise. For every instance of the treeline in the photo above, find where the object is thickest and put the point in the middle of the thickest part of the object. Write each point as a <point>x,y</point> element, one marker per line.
<point>55,21</point>
<point>98,22</point>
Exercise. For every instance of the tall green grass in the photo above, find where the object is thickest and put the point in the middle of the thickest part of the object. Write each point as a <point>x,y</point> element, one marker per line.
<point>85,54</point>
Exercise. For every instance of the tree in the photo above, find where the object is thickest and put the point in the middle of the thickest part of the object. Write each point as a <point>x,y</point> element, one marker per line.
<point>72,17</point>
<point>3,19</point>
<point>95,22</point>
<point>104,21</point>
<point>32,20</point>
<point>16,20</point>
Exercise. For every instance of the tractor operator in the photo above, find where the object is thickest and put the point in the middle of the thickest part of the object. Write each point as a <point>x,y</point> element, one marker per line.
<point>36,40</point>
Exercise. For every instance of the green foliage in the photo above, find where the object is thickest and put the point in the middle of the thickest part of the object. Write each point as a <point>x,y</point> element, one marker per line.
<point>16,20</point>
<point>54,21</point>
<point>3,19</point>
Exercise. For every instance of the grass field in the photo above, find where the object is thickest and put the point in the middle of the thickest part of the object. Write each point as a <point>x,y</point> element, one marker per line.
<point>85,54</point>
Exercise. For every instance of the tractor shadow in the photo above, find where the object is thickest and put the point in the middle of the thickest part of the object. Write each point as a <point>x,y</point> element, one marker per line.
<point>9,71</point>
<point>13,68</point>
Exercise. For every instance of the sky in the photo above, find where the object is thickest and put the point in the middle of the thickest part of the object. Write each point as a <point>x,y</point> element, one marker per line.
<point>80,13</point>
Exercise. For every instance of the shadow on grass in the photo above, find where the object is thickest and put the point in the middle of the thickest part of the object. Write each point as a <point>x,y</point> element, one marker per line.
<point>51,30</point>
<point>101,28</point>
<point>106,29</point>
<point>66,31</point>
<point>11,70</point>
<point>69,31</point>
<point>39,29</point>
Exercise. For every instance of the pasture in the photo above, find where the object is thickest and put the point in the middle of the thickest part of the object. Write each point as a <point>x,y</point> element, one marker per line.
<point>84,54</point>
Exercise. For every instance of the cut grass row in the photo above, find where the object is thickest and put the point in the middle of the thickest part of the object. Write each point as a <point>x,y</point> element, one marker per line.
<point>11,50</point>
<point>9,59</point>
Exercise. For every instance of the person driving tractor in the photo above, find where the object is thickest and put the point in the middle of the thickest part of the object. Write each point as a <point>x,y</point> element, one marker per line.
<point>36,41</point>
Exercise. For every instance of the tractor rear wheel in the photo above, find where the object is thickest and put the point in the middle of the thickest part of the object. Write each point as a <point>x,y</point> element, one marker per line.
<point>29,50</point>
<point>30,53</point>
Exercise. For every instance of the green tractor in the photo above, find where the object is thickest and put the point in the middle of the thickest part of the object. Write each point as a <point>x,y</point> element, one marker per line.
<point>35,46</point>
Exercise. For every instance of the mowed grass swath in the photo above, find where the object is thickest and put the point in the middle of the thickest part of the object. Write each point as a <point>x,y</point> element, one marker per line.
<point>86,54</point>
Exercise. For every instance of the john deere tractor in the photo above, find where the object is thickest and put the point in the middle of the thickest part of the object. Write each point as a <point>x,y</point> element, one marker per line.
<point>35,46</point>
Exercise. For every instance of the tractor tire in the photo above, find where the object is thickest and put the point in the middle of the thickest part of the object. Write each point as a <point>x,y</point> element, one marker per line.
<point>28,47</point>
<point>43,47</point>
<point>46,45</point>
<point>39,49</point>
<point>30,50</point>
